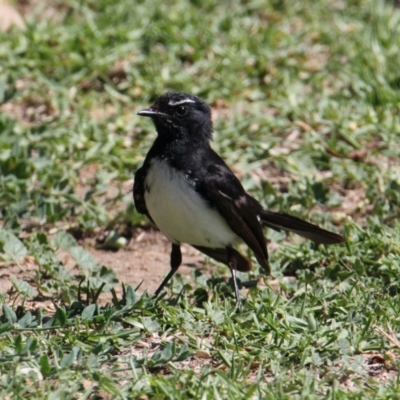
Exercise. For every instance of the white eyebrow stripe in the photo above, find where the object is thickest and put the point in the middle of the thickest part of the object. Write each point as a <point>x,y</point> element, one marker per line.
<point>179,102</point>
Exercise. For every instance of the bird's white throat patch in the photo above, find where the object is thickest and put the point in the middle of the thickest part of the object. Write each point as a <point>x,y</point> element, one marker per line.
<point>180,212</point>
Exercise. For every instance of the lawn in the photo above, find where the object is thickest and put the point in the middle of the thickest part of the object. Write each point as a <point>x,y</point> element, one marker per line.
<point>305,98</point>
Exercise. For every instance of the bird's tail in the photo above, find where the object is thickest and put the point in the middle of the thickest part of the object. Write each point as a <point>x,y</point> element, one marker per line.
<point>296,225</point>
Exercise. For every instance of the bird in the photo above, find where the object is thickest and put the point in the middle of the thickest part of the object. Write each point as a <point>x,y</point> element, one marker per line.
<point>187,190</point>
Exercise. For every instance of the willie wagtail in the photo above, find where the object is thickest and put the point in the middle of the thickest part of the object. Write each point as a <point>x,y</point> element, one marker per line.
<point>192,196</point>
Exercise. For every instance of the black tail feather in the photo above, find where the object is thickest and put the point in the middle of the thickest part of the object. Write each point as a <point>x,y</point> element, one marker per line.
<point>221,255</point>
<point>296,225</point>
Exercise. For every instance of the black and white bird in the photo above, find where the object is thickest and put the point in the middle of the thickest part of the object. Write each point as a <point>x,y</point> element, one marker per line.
<point>192,196</point>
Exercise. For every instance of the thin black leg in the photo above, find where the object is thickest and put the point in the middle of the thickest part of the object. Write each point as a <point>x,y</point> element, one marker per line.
<point>232,267</point>
<point>235,288</point>
<point>176,259</point>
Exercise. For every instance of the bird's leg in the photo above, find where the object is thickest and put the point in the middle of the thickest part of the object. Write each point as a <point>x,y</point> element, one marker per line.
<point>176,259</point>
<point>232,267</point>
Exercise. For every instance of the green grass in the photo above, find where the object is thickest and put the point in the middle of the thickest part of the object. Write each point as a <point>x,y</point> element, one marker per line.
<point>308,91</point>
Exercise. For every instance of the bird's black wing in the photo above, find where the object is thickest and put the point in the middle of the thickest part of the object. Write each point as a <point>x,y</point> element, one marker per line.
<point>138,192</point>
<point>224,191</point>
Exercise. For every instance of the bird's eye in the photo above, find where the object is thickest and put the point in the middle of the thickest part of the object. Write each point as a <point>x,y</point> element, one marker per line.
<point>181,111</point>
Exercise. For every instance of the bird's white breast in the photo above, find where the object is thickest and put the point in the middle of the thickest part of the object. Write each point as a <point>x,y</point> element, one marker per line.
<point>180,212</point>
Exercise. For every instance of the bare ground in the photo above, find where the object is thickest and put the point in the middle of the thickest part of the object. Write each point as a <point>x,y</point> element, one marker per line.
<point>145,261</point>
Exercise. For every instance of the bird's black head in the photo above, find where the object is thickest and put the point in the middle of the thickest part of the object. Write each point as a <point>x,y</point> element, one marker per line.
<point>180,115</point>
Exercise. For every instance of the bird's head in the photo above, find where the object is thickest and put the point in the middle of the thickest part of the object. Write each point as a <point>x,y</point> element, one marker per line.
<point>180,115</point>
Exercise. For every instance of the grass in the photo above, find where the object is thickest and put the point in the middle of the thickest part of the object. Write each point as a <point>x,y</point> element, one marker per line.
<point>306,103</point>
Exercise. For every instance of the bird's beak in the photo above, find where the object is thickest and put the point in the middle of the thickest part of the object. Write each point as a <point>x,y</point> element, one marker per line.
<point>151,112</point>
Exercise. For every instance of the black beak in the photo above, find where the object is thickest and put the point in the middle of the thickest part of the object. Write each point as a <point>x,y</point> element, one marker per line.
<point>151,112</point>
